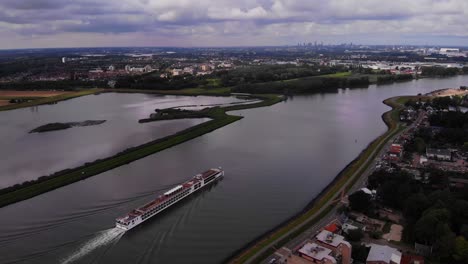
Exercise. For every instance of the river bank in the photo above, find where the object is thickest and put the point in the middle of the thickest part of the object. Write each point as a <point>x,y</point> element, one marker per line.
<point>52,99</point>
<point>44,184</point>
<point>321,205</point>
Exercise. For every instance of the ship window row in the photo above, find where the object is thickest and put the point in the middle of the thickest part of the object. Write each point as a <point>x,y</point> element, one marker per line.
<point>209,179</point>
<point>165,204</point>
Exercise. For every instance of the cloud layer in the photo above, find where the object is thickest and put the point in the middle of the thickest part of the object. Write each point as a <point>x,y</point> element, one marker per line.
<point>71,23</point>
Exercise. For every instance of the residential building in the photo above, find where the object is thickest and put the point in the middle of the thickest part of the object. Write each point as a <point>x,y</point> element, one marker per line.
<point>177,72</point>
<point>205,67</point>
<point>379,254</point>
<point>337,244</point>
<point>439,154</point>
<point>188,70</point>
<point>316,254</point>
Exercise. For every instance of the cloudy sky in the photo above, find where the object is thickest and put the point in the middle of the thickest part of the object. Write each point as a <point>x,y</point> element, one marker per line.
<point>190,23</point>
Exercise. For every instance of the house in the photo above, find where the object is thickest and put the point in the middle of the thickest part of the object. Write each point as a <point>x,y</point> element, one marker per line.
<point>396,150</point>
<point>316,254</point>
<point>350,226</point>
<point>205,67</point>
<point>177,72</point>
<point>333,227</point>
<point>188,70</point>
<point>379,254</point>
<point>337,244</point>
<point>458,182</point>
<point>439,154</point>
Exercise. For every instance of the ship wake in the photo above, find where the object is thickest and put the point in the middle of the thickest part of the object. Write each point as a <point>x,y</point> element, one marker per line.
<point>105,238</point>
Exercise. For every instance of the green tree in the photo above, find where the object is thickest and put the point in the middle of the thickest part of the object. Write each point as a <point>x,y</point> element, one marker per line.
<point>355,235</point>
<point>415,205</point>
<point>445,243</point>
<point>360,201</point>
<point>420,145</point>
<point>432,225</point>
<point>465,146</point>
<point>461,250</point>
<point>464,231</point>
<point>359,252</point>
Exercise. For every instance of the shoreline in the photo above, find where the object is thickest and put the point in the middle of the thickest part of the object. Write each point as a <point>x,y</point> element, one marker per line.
<point>51,99</point>
<point>219,118</point>
<point>262,246</point>
<point>221,92</point>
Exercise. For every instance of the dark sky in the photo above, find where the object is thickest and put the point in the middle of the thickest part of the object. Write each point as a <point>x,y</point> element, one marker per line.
<point>188,23</point>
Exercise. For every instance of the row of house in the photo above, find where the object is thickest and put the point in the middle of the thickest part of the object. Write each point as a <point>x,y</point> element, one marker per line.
<point>329,247</point>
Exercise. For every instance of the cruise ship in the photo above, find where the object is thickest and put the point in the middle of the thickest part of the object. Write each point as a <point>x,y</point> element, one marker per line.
<point>164,201</point>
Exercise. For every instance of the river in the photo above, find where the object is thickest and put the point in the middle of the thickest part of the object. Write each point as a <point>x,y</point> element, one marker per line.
<point>27,156</point>
<point>276,160</point>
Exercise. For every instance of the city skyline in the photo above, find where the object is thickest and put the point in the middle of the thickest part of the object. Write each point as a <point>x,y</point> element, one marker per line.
<point>180,23</point>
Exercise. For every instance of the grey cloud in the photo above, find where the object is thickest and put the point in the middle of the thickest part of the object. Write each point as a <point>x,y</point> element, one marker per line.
<point>262,19</point>
<point>35,4</point>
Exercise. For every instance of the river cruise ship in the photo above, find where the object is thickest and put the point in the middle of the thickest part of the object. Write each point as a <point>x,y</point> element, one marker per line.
<point>164,201</point>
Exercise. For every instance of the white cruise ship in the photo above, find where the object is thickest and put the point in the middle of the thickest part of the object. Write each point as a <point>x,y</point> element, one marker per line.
<point>141,214</point>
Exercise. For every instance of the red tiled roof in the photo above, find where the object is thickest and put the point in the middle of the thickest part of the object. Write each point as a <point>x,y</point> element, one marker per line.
<point>332,228</point>
<point>395,149</point>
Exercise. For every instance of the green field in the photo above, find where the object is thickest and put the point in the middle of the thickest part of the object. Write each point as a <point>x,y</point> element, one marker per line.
<point>49,100</point>
<point>337,75</point>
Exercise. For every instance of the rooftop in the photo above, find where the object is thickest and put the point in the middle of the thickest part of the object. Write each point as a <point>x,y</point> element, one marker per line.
<point>331,239</point>
<point>332,228</point>
<point>444,152</point>
<point>315,251</point>
<point>384,253</point>
<point>411,259</point>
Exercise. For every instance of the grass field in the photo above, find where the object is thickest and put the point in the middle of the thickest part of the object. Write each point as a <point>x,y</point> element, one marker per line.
<point>42,97</point>
<point>219,119</point>
<point>30,94</point>
<point>337,75</point>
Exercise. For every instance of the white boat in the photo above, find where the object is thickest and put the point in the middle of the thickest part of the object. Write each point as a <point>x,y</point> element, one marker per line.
<point>164,201</point>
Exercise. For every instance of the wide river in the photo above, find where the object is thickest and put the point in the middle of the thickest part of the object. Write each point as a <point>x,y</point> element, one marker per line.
<point>276,160</point>
<point>27,156</point>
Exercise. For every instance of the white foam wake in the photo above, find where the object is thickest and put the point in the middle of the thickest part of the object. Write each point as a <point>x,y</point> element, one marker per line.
<point>110,236</point>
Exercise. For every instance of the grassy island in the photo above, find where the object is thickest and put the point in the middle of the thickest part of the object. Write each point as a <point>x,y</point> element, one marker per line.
<point>61,126</point>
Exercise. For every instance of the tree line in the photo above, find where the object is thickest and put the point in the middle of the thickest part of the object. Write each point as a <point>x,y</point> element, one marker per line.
<point>435,215</point>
